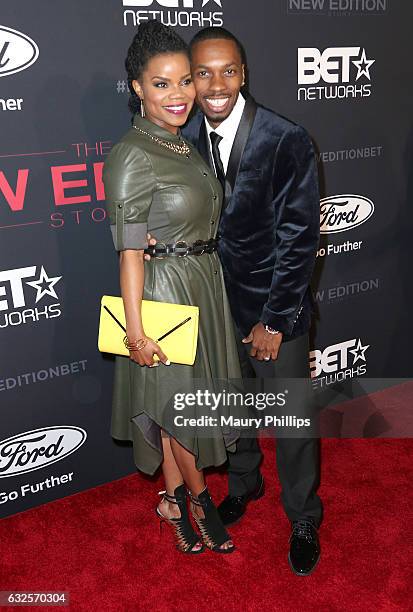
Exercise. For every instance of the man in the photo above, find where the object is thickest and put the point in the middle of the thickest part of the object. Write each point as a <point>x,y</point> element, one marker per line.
<point>268,238</point>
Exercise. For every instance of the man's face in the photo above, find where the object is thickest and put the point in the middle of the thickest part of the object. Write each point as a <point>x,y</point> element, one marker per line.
<point>218,75</point>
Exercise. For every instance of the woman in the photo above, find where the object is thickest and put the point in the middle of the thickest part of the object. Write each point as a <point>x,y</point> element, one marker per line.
<point>157,182</point>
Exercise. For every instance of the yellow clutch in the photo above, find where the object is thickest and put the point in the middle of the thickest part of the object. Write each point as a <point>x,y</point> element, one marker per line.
<point>173,326</point>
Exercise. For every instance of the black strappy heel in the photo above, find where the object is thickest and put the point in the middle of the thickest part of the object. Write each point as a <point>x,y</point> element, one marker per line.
<point>186,536</point>
<point>211,527</point>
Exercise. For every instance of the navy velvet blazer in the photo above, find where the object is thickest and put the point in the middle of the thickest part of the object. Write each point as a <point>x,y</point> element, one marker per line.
<point>269,227</point>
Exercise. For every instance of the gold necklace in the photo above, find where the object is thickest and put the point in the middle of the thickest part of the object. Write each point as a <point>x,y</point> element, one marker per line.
<point>181,148</point>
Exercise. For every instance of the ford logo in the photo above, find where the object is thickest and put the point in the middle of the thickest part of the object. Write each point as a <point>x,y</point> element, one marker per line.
<point>344,212</point>
<point>38,448</point>
<point>17,51</point>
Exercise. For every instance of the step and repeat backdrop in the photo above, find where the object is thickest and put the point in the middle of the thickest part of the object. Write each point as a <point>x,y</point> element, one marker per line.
<point>341,68</point>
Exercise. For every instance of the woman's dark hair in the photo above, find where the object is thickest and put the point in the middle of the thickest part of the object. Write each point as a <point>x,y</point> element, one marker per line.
<point>152,39</point>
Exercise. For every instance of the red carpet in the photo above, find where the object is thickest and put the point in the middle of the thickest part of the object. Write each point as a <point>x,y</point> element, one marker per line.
<point>103,545</point>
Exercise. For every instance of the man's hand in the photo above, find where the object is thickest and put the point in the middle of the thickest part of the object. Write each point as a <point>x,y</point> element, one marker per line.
<point>265,346</point>
<point>151,242</point>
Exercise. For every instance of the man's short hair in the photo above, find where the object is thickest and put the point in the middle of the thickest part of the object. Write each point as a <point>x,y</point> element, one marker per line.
<point>212,33</point>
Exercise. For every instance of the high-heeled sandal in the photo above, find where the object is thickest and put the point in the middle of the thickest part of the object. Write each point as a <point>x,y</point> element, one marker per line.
<point>185,535</point>
<point>211,526</point>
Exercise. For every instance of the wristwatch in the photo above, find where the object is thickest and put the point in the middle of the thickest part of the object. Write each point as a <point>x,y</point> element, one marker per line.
<point>271,331</point>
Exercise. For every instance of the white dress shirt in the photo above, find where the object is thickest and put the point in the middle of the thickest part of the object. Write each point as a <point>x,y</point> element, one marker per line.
<point>227,129</point>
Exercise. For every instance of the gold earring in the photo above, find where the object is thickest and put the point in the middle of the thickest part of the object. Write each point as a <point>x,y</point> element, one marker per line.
<point>142,109</point>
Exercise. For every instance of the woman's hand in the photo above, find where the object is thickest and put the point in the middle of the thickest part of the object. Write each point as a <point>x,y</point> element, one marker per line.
<point>151,242</point>
<point>144,357</point>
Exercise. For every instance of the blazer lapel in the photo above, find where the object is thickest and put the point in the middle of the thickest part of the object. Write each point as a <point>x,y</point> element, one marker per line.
<point>241,138</point>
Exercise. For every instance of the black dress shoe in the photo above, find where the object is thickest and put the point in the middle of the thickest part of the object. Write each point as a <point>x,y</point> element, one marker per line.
<point>232,508</point>
<point>304,547</point>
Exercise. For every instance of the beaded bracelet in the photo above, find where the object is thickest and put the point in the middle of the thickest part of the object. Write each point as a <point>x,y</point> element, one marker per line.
<point>270,330</point>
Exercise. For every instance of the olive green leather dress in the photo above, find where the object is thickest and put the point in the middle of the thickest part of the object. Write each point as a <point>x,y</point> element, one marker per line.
<point>151,188</point>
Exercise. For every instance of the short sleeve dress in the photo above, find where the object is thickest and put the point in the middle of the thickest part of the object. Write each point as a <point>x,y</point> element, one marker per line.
<point>176,198</point>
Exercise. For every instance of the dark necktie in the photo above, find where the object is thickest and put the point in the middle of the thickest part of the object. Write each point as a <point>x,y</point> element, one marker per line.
<point>219,168</point>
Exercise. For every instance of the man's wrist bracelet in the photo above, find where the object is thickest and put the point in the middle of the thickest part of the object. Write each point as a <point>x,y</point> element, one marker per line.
<point>271,331</point>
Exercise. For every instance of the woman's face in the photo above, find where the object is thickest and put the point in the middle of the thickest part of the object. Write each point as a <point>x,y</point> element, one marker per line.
<point>167,90</point>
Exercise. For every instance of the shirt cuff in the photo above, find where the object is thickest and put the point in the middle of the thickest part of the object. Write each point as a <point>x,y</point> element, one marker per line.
<point>134,236</point>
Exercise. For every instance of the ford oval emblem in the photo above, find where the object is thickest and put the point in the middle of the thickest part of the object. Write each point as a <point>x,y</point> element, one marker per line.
<point>17,51</point>
<point>340,213</point>
<point>38,448</point>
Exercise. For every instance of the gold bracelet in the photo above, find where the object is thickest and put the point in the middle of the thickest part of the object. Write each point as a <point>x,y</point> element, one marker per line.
<point>135,345</point>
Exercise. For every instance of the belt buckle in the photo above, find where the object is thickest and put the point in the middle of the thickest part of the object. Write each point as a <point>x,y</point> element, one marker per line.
<point>185,245</point>
<point>165,250</point>
<point>210,246</point>
<point>199,243</point>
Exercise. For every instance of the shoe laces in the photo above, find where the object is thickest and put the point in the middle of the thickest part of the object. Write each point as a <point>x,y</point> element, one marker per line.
<point>303,530</point>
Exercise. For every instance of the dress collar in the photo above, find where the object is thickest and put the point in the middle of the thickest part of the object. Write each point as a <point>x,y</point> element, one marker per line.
<point>155,130</point>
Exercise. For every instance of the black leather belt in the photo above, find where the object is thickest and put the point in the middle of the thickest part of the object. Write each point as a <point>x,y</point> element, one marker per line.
<point>182,249</point>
